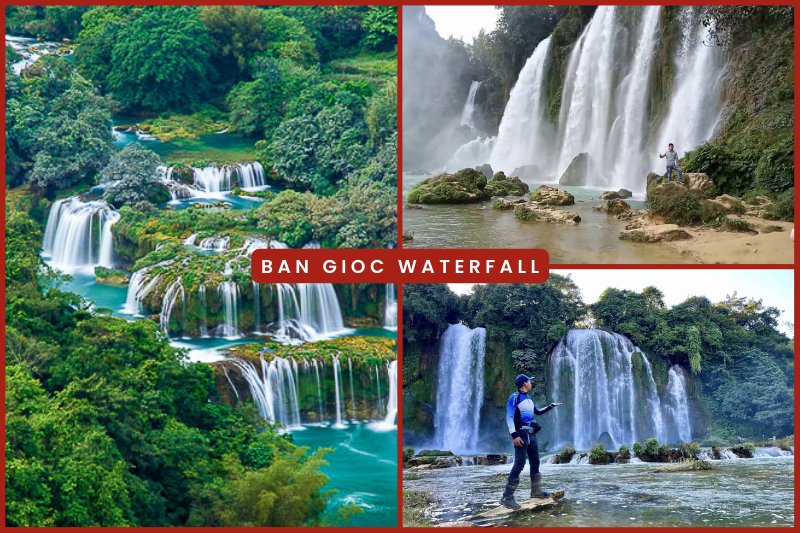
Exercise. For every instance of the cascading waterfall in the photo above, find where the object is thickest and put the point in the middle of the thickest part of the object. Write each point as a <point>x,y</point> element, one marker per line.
<point>201,294</point>
<point>215,180</point>
<point>390,307</point>
<point>391,404</point>
<point>605,111</point>
<point>307,311</point>
<point>676,404</point>
<point>609,394</point>
<point>229,291</point>
<point>468,114</point>
<point>273,389</point>
<point>352,394</point>
<point>319,391</point>
<point>78,234</point>
<point>516,145</point>
<point>378,385</point>
<point>698,74</point>
<point>256,307</point>
<point>173,293</point>
<point>459,388</point>
<point>337,376</point>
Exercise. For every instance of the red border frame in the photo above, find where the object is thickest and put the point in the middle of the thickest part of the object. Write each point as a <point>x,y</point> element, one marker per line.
<point>399,4</point>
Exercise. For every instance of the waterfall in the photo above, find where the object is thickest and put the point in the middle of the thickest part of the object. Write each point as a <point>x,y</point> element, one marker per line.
<point>605,111</point>
<point>390,307</point>
<point>696,113</point>
<point>378,395</point>
<point>468,114</point>
<point>630,161</point>
<point>173,293</point>
<point>391,404</point>
<point>337,371</point>
<point>389,422</point>
<point>307,311</point>
<point>256,308</point>
<point>319,391</point>
<point>201,293</point>
<point>78,234</point>
<point>352,394</point>
<point>214,181</point>
<point>519,142</point>
<point>215,243</point>
<point>609,394</point>
<point>677,405</point>
<point>273,389</point>
<point>229,291</point>
<point>459,388</point>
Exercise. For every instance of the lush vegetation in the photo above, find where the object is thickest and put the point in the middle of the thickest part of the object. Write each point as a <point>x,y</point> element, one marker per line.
<point>313,90</point>
<point>734,349</point>
<point>361,350</point>
<point>108,426</point>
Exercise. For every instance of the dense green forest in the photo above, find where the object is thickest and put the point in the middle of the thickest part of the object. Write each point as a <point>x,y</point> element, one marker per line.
<point>107,423</point>
<point>313,89</point>
<point>732,349</point>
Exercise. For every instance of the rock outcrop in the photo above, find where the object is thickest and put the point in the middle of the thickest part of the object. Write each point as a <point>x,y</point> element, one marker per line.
<point>465,186</point>
<point>502,185</point>
<point>540,213</point>
<point>577,171</point>
<point>657,233</point>
<point>547,195</point>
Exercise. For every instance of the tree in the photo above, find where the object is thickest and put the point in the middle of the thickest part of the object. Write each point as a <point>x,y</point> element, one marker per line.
<point>237,36</point>
<point>257,107</point>
<point>380,27</point>
<point>131,176</point>
<point>381,114</point>
<point>287,38</point>
<point>175,73</point>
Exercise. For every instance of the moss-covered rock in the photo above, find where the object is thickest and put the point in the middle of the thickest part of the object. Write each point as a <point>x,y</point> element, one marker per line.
<point>111,276</point>
<point>501,185</point>
<point>656,233</point>
<point>507,203</point>
<point>465,186</point>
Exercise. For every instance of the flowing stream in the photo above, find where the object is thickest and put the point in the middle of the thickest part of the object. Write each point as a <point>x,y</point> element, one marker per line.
<point>746,492</point>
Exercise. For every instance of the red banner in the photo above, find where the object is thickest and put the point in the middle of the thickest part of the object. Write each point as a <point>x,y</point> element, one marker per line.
<point>400,266</point>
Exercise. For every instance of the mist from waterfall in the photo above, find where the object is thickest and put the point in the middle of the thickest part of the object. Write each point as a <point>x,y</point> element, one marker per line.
<point>459,388</point>
<point>610,396</point>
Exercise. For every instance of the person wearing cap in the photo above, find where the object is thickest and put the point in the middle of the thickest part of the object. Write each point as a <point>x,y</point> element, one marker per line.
<point>521,415</point>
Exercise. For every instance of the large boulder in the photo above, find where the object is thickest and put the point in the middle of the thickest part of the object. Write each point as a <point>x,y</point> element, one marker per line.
<point>547,195</point>
<point>610,195</point>
<point>528,172</point>
<point>657,233</point>
<point>614,207</point>
<point>465,186</point>
<point>700,184</point>
<point>501,185</point>
<point>577,171</point>
<point>486,170</point>
<point>624,193</point>
<point>539,213</point>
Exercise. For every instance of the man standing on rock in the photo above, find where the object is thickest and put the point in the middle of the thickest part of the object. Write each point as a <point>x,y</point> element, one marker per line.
<point>520,417</point>
<point>672,162</point>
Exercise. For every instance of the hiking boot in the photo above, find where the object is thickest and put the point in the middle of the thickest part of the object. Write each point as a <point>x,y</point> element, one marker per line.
<point>508,495</point>
<point>536,487</point>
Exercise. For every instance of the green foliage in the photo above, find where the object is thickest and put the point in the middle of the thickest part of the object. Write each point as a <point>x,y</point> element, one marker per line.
<point>57,128</point>
<point>427,311</point>
<point>782,208</point>
<point>731,171</point>
<point>381,115</point>
<point>109,426</point>
<point>689,450</point>
<point>44,22</point>
<point>598,455</point>
<point>131,176</point>
<point>380,26</point>
<point>287,218</point>
<point>175,73</point>
<point>237,37</point>
<point>465,186</point>
<point>775,169</point>
<point>624,454</point>
<point>675,203</point>
<point>651,447</point>
<point>638,449</point>
<point>287,38</point>
<point>566,453</point>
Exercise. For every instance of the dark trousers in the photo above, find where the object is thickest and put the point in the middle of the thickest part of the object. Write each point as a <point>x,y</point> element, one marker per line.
<point>529,450</point>
<point>674,168</point>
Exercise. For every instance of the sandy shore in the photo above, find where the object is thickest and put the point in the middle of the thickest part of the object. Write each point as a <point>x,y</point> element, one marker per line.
<point>710,246</point>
